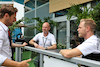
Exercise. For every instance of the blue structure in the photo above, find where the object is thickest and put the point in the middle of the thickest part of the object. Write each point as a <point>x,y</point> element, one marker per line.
<point>15,33</point>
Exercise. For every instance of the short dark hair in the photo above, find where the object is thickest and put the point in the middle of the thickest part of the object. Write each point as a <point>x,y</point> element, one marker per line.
<point>7,8</point>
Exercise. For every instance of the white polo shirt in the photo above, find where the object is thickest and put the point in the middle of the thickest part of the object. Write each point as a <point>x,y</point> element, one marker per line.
<point>89,46</point>
<point>47,41</point>
<point>5,48</point>
<point>2,59</point>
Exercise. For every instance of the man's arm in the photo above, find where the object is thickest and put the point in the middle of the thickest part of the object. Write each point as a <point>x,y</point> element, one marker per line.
<point>32,42</point>
<point>19,45</point>
<point>54,46</point>
<point>11,63</point>
<point>69,53</point>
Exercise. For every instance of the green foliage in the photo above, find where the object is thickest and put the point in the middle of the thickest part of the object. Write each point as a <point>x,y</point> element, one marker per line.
<point>84,12</point>
<point>96,15</point>
<point>38,26</point>
<point>40,22</point>
<point>79,12</point>
<point>79,65</point>
<point>73,11</point>
<point>61,46</point>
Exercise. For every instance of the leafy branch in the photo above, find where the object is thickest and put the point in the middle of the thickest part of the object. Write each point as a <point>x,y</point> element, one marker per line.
<point>40,22</point>
<point>84,12</point>
<point>38,26</point>
<point>79,12</point>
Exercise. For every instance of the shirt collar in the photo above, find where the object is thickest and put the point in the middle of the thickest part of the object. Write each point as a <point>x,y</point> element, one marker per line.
<point>4,26</point>
<point>46,36</point>
<point>92,37</point>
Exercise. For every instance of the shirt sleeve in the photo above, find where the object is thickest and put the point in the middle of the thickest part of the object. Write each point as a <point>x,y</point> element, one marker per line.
<point>2,59</point>
<point>36,38</point>
<point>53,40</point>
<point>86,48</point>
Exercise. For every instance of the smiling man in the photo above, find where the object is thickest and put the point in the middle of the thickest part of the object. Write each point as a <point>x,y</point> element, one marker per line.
<point>46,40</point>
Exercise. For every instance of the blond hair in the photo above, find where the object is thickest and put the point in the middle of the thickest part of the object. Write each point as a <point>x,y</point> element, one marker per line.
<point>89,22</point>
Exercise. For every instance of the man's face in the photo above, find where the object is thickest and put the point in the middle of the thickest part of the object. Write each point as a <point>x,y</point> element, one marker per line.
<point>10,20</point>
<point>45,28</point>
<point>81,30</point>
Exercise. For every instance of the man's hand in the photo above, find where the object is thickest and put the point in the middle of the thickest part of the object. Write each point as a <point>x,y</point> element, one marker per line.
<point>24,44</point>
<point>24,63</point>
<point>36,45</point>
<point>64,52</point>
<point>40,47</point>
<point>11,63</point>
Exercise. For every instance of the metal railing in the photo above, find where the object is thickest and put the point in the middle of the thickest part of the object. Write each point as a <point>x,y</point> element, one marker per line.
<point>77,60</point>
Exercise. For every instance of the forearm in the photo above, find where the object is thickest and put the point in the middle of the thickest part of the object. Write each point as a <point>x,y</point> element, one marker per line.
<point>69,53</point>
<point>16,45</point>
<point>32,42</point>
<point>10,63</point>
<point>19,45</point>
<point>52,47</point>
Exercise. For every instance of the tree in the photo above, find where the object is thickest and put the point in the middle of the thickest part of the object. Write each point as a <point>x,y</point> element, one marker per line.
<point>84,12</point>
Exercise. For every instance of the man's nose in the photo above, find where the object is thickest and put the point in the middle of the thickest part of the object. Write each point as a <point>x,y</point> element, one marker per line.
<point>77,29</point>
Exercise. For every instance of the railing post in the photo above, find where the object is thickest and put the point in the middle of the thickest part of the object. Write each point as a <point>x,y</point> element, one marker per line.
<point>41,60</point>
<point>18,53</point>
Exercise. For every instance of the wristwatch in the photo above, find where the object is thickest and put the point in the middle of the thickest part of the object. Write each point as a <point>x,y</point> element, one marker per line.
<point>45,48</point>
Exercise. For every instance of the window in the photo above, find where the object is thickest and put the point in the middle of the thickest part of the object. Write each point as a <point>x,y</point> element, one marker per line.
<point>61,33</point>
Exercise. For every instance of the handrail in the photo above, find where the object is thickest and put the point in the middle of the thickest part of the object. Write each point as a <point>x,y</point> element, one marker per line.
<point>78,60</point>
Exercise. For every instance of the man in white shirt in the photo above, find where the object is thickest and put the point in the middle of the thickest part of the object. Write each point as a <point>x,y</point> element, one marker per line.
<point>91,44</point>
<point>7,17</point>
<point>46,40</point>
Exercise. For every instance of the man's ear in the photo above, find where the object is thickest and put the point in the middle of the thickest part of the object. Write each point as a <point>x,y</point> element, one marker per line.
<point>49,28</point>
<point>88,28</point>
<point>6,15</point>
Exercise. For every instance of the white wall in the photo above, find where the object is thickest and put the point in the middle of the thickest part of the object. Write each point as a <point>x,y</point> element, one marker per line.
<point>20,12</point>
<point>53,62</point>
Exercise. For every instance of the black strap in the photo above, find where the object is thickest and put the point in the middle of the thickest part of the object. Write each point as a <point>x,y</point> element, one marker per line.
<point>92,56</point>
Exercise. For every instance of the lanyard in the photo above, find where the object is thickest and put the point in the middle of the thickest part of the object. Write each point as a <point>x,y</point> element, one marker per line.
<point>44,42</point>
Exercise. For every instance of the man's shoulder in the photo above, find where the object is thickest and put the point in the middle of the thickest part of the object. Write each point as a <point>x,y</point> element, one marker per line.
<point>92,40</point>
<point>51,34</point>
<point>93,37</point>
